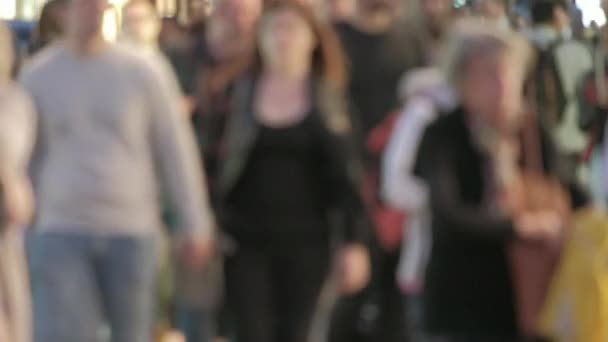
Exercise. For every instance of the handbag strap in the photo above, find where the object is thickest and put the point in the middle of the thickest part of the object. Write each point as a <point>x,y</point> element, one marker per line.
<point>600,76</point>
<point>531,141</point>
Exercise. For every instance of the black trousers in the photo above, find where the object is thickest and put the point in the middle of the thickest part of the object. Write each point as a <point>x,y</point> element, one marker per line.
<point>392,320</point>
<point>273,292</point>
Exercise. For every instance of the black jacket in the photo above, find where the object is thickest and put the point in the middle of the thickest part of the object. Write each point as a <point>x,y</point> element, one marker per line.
<point>469,286</point>
<point>593,114</point>
<point>347,204</point>
<point>377,63</point>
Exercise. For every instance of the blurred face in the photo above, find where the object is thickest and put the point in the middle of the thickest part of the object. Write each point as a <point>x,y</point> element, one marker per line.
<point>218,35</point>
<point>492,9</point>
<point>562,18</point>
<point>86,16</point>
<point>241,14</point>
<point>522,23</point>
<point>435,12</point>
<point>141,24</point>
<point>201,8</point>
<point>341,9</point>
<point>492,91</point>
<point>286,39</point>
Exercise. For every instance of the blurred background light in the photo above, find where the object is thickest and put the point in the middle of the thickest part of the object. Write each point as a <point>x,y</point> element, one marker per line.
<point>592,12</point>
<point>8,9</point>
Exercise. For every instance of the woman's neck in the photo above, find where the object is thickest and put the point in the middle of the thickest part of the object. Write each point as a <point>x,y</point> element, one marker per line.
<point>288,74</point>
<point>86,47</point>
<point>283,86</point>
<point>374,23</point>
<point>282,99</point>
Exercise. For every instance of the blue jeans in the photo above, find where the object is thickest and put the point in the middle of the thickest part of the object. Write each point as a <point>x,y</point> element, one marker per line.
<point>195,323</point>
<point>82,284</point>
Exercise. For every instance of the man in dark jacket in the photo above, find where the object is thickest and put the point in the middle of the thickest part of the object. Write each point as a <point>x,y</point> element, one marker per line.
<point>380,50</point>
<point>381,47</point>
<point>208,70</point>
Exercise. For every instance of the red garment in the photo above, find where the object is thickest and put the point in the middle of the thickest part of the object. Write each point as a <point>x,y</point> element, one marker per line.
<point>389,222</point>
<point>590,96</point>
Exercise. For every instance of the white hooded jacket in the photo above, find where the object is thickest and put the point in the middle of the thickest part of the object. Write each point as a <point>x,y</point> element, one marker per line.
<point>426,95</point>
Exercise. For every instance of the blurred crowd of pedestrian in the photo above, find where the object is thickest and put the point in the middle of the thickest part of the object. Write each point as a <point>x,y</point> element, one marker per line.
<point>295,170</point>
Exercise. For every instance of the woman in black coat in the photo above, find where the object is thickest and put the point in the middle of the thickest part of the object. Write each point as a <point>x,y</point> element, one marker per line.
<point>288,174</point>
<point>468,158</point>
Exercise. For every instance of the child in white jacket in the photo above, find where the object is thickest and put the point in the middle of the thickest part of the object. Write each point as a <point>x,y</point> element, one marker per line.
<point>426,96</point>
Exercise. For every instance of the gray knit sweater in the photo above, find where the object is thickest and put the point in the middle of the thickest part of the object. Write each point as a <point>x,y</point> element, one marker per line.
<point>111,143</point>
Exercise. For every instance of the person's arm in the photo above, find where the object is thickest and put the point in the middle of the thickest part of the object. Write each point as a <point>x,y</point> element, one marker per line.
<point>345,165</point>
<point>437,163</point>
<point>461,218</point>
<point>186,101</point>
<point>346,182</point>
<point>177,161</point>
<point>29,81</point>
<point>17,127</point>
<point>17,132</point>
<point>399,187</point>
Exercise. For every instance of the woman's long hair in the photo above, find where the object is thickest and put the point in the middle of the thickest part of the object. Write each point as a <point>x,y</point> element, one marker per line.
<point>328,60</point>
<point>49,28</point>
<point>6,53</point>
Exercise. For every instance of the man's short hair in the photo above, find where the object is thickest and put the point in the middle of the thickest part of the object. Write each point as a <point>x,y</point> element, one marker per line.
<point>543,11</point>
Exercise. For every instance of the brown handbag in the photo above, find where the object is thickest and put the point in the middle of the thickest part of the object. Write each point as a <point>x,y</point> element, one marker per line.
<point>533,263</point>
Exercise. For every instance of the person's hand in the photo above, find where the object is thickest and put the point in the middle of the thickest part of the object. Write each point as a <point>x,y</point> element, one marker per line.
<point>188,105</point>
<point>509,179</point>
<point>552,224</point>
<point>544,225</point>
<point>18,201</point>
<point>172,336</point>
<point>512,200</point>
<point>195,249</point>
<point>354,268</point>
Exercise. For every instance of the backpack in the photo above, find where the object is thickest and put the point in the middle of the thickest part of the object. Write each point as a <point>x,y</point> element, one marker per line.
<point>576,309</point>
<point>594,105</point>
<point>559,72</point>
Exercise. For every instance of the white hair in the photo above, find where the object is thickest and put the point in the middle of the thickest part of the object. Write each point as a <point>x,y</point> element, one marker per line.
<point>6,52</point>
<point>473,38</point>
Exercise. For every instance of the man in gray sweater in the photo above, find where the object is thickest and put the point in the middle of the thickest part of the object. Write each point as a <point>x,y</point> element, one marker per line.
<point>112,146</point>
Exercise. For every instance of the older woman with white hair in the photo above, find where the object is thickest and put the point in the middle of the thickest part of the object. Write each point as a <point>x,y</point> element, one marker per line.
<point>16,137</point>
<point>468,159</point>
